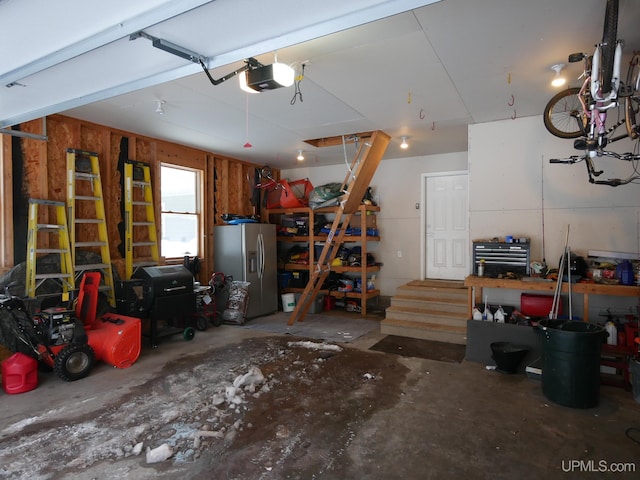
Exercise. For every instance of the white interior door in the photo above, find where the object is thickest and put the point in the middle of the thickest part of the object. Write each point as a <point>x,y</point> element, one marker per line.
<point>446,226</point>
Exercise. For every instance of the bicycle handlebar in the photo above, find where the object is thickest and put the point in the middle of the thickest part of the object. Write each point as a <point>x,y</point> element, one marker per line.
<point>628,156</point>
<point>566,161</point>
<point>592,172</point>
<point>614,182</point>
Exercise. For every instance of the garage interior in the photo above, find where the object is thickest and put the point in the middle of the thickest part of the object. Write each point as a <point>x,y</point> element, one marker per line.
<point>149,91</point>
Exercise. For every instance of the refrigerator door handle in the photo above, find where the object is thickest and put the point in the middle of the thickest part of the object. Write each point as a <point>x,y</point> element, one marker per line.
<point>260,255</point>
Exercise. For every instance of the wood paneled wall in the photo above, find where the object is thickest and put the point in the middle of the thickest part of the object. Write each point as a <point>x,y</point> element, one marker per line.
<point>226,185</point>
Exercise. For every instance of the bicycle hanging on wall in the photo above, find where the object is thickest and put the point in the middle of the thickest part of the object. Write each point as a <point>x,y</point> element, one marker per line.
<point>594,113</point>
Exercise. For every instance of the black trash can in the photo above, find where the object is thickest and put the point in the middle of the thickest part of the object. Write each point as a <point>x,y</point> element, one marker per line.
<point>571,362</point>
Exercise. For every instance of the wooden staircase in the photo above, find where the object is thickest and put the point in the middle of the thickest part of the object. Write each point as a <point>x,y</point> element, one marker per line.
<point>429,309</point>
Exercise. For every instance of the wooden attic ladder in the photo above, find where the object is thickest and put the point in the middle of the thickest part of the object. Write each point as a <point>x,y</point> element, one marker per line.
<point>361,171</point>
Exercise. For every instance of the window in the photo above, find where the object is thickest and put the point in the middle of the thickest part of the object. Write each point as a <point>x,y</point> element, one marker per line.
<point>181,204</point>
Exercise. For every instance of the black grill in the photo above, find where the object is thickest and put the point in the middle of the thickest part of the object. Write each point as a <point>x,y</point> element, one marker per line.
<point>167,294</point>
<point>167,291</point>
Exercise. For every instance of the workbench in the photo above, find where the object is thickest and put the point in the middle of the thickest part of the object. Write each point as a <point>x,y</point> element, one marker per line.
<point>476,284</point>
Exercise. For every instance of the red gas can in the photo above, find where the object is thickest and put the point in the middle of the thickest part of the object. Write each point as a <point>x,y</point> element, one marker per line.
<point>19,373</point>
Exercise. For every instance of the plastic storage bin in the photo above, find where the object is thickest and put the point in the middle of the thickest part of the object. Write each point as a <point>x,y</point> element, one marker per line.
<point>318,303</point>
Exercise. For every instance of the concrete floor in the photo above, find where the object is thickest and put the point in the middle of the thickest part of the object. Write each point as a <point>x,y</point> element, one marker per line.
<point>425,420</point>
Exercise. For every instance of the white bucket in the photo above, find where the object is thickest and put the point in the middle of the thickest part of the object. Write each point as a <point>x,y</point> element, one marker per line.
<point>288,302</point>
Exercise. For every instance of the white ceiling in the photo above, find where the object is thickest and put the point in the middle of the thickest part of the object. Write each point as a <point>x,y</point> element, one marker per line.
<point>409,67</point>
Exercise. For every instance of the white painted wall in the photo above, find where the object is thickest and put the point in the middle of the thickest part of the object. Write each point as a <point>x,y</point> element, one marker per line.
<point>510,181</point>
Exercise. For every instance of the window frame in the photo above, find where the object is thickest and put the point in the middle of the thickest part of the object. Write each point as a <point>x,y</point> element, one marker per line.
<point>199,208</point>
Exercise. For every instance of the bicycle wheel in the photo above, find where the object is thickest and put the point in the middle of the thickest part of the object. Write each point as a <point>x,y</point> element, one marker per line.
<point>609,38</point>
<point>632,105</point>
<point>563,115</point>
<point>632,101</point>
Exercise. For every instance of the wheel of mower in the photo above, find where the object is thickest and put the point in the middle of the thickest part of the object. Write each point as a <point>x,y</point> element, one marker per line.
<point>202,322</point>
<point>74,361</point>
<point>188,334</point>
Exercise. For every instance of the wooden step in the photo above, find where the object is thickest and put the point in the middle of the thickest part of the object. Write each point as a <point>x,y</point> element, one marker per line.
<point>425,331</point>
<point>426,314</point>
<point>428,309</point>
<point>451,284</point>
<point>453,305</point>
<point>431,291</point>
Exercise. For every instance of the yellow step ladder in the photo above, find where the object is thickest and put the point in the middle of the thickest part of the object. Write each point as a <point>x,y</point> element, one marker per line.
<point>361,171</point>
<point>140,234</point>
<point>86,216</point>
<point>58,244</point>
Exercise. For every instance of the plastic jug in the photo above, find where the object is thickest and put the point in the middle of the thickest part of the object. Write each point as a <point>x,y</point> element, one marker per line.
<point>611,329</point>
<point>19,373</point>
<point>625,273</point>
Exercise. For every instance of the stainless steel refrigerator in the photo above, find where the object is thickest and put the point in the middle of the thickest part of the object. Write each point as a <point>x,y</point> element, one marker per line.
<point>248,252</point>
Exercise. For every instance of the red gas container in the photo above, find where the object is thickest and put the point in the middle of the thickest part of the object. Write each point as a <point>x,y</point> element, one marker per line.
<point>19,373</point>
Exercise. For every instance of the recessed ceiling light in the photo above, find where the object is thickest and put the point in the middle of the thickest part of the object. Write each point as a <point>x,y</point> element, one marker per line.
<point>558,80</point>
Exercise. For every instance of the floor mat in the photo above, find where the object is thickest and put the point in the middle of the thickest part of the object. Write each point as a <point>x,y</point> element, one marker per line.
<point>415,347</point>
<point>318,326</point>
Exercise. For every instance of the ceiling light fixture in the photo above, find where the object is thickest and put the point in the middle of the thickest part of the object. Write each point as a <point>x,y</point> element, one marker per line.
<point>404,145</point>
<point>558,80</point>
<point>160,107</point>
<point>300,157</point>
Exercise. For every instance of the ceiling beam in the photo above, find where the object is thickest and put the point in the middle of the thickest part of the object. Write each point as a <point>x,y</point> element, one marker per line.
<point>123,29</point>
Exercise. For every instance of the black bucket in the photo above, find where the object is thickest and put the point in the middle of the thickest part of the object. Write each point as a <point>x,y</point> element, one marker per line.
<point>508,356</point>
<point>571,362</point>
